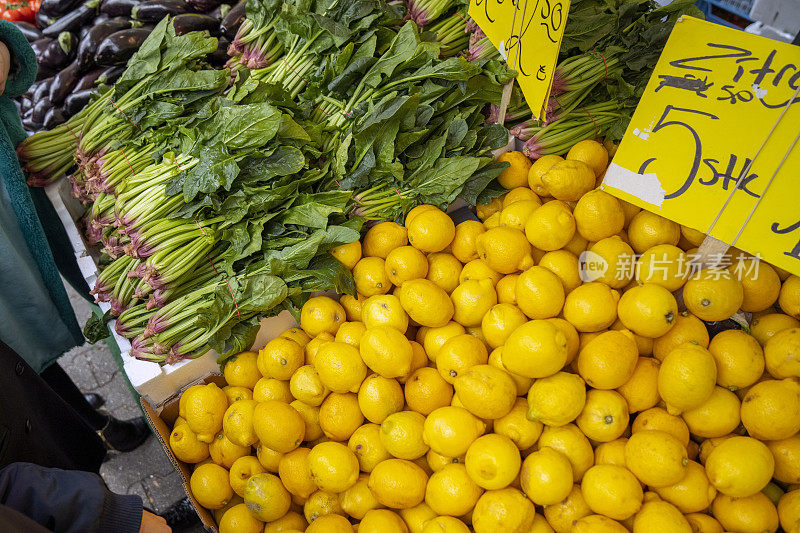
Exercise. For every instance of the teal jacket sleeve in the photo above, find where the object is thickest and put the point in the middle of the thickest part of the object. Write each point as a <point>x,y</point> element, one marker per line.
<point>36,318</point>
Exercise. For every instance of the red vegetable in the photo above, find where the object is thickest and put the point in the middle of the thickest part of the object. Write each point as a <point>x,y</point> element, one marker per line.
<point>15,10</point>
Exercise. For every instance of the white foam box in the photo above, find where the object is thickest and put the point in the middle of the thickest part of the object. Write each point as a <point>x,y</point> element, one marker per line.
<point>155,382</point>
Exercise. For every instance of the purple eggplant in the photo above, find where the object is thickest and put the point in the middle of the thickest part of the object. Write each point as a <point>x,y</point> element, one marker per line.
<point>31,32</point>
<point>118,47</point>
<point>25,104</point>
<point>230,24</point>
<point>40,109</point>
<point>110,75</point>
<point>220,11</point>
<point>74,20</point>
<point>29,124</point>
<point>57,8</point>
<point>118,8</point>
<point>77,101</point>
<point>203,6</point>
<point>155,10</point>
<point>63,84</point>
<point>59,52</point>
<point>43,20</point>
<point>88,45</point>
<point>53,118</point>
<point>42,89</point>
<point>219,57</point>
<point>195,22</point>
<point>88,80</point>
<point>40,45</point>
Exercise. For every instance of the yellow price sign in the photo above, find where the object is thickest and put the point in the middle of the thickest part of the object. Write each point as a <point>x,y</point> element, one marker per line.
<point>720,109</point>
<point>528,35</point>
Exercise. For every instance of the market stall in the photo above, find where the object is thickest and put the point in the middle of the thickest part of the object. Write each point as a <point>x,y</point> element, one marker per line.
<point>437,266</point>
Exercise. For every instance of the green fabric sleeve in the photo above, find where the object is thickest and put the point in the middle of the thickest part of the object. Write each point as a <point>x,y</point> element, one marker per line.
<point>23,60</point>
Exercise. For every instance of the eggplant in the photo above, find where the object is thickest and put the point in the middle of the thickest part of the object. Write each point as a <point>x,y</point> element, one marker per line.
<point>203,6</point>
<point>25,105</point>
<point>59,52</point>
<point>53,118</point>
<point>118,47</point>
<point>40,109</point>
<point>230,24</point>
<point>88,45</point>
<point>110,75</point>
<point>29,124</point>
<point>220,12</point>
<point>31,32</point>
<point>40,45</point>
<point>43,20</point>
<point>77,101</point>
<point>74,20</point>
<point>42,90</point>
<point>155,10</point>
<point>219,57</point>
<point>195,22</point>
<point>56,8</point>
<point>88,80</point>
<point>63,84</point>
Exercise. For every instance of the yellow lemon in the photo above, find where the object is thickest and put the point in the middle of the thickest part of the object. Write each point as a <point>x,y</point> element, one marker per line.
<point>516,215</point>
<point>740,466</point>
<point>242,370</point>
<point>771,409</point>
<point>563,514</point>
<point>611,453</point>
<point>381,520</point>
<point>505,509</point>
<point>516,174</point>
<point>546,476</point>
<point>211,486</point>
<point>572,444</point>
<point>415,517</point>
<point>386,351</point>
<point>522,383</point>
<point>506,288</point>
<point>333,466</point>
<point>224,453</point>
<point>297,335</point>
<point>278,426</point>
<point>612,491</point>
<point>551,227</point>
<point>426,390</point>
<point>716,417</point>
<point>608,361</point>
<point>398,484</point>
<point>660,516</point>
<point>665,265</point>
<point>314,344</point>
<point>426,303</point>
<point>307,386</point>
<point>641,390</point>
<point>486,391</point>
<point>370,277</point>
<point>505,249</point>
<point>458,354</point>
<point>478,269</point>
<point>437,461</point>
<point>436,337</point>
<point>703,523</point>
<point>405,263</point>
<point>518,194</point>
<point>540,293</point>
<point>184,444</point>
<point>365,442</point>
<point>471,300</point>
<point>465,240</point>
<point>577,245</point>
<point>782,354</point>
<point>295,473</point>
<point>331,523</point>
<point>280,358</point>
<point>571,334</point>
<point>598,215</point>
<point>604,416</point>
<point>204,410</point>
<point>239,519</point>
<point>648,310</point>
<point>340,416</point>
<point>484,211</point>
<point>592,153</point>
<point>350,333</point>
<point>321,314</point>
<point>450,430</point>
<point>686,328</point>
<point>713,294</point>
<point>610,261</point>
<point>444,270</point>
<point>687,377</point>
<point>431,231</point>
<point>692,236</point>
<point>445,524</point>
<point>451,491</point>
<point>765,326</point>
<point>499,322</point>
<point>401,435</point>
<point>647,229</point>
<point>568,180</point>
<point>535,349</point>
<point>272,389</point>
<point>348,254</point>
<point>760,283</point>
<point>358,500</point>
<point>655,457</point>
<point>238,423</point>
<point>786,453</point>
<point>378,397</point>
<point>383,238</point>
<point>493,461</point>
<point>789,510</point>
<point>517,427</point>
<point>753,513</point>
<point>340,367</point>
<point>591,307</point>
<point>556,400</point>
<point>384,310</point>
<point>659,419</point>
<point>310,415</point>
<point>352,306</point>
<point>417,210</point>
<point>789,298</point>
<point>563,264</point>
<point>321,503</point>
<point>595,523</point>
<point>691,494</point>
<point>538,169</point>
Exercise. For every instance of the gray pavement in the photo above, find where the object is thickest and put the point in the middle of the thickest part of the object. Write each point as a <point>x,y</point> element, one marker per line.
<point>146,471</point>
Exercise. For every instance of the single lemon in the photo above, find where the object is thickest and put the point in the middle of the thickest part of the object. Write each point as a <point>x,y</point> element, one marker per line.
<point>611,453</point>
<point>786,453</point>
<point>716,417</point>
<point>321,314</point>
<point>577,245</point>
<point>521,382</point>
<point>660,516</point>
<point>789,510</point>
<point>405,263</point>
<point>295,473</point>
<point>398,484</point>
<point>211,486</point>
<point>571,334</point>
<point>358,500</point>
<point>242,470</point>
<point>499,322</point>
<point>184,444</point>
<point>350,333</point>
<point>451,491</point>
<point>224,453</point>
<point>340,416</point>
<point>314,344</point>
<point>280,358</point>
<point>551,227</point>
<point>641,390</point>
<point>568,180</point>
<point>370,277</point>
<point>657,458</point>
<point>381,520</point>
<point>366,444</point>
<point>605,415</point>
<point>782,354</point>
<point>765,326</point>
<point>331,523</point>
<point>426,390</point>
<point>465,240</point>
<point>751,513</point>
<point>647,229</point>
<point>415,517</point>
<point>563,264</point>
<point>556,400</point>
<point>471,300</point>
<point>238,519</point>
<point>450,430</point>
<point>789,298</point>
<point>445,524</point>
<point>486,210</point>
<point>431,231</point>
<point>333,466</point>
<point>425,302</point>
<point>386,351</point>
<point>518,194</point>
<point>384,310</point>
<point>493,461</point>
<point>687,377</point>
<point>478,269</point>
<point>611,261</point>
<point>592,153</point>
<point>563,514</point>
<point>596,523</point>
<point>598,215</point>
<point>444,270</point>
<point>417,210</point>
<point>238,423</point>
<point>486,391</point>
<point>591,307</point>
<point>703,523</point>
<point>609,360</point>
<point>297,335</point>
<point>378,397</point>
<point>517,427</point>
<point>242,370</point>
<point>771,409</point>
<point>516,174</point>
<point>352,306</point>
<point>546,476</point>
<point>540,293</point>
<point>505,249</point>
<point>272,389</point>
<point>516,215</point>
<point>648,310</point>
<point>458,354</point>
<point>321,503</point>
<point>437,461</point>
<point>505,509</point>
<point>348,254</point>
<point>686,328</point>
<point>340,367</point>
<point>572,444</point>
<point>713,294</point>
<point>538,169</point>
<point>612,491</point>
<point>401,435</point>
<point>307,386</point>
<point>691,494</point>
<point>740,466</point>
<point>665,265</point>
<point>278,426</point>
<point>436,337</point>
<point>383,238</point>
<point>760,284</point>
<point>204,410</point>
<point>535,349</point>
<point>659,419</point>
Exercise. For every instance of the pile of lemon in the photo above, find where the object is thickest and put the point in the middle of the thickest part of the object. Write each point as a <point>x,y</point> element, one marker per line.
<point>477,382</point>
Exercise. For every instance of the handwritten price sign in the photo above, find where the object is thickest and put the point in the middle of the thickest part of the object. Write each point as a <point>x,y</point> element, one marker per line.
<point>721,105</point>
<point>528,35</point>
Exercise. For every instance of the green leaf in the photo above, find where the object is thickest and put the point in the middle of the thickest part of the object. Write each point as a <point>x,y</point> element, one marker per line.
<point>245,126</point>
<point>440,184</point>
<point>96,328</point>
<point>480,180</point>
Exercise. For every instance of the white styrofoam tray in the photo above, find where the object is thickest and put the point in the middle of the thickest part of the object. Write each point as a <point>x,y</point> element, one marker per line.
<point>157,383</point>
